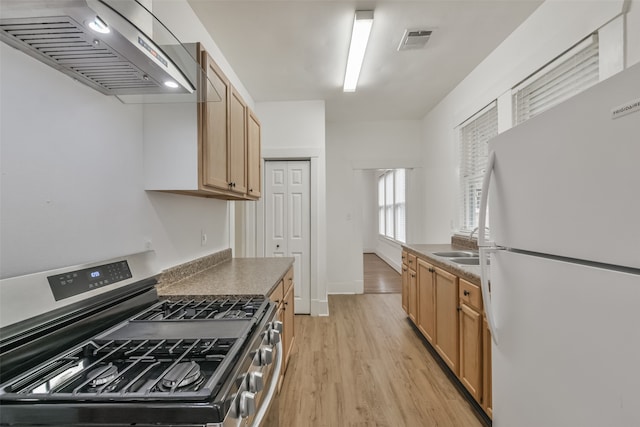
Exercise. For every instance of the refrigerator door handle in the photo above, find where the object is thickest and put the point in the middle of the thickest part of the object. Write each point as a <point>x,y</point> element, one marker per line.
<point>485,247</point>
<point>486,291</point>
<point>484,197</point>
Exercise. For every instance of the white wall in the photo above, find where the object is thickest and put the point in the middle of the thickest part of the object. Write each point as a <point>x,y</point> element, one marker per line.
<point>351,148</point>
<point>72,178</point>
<point>296,130</point>
<point>552,28</point>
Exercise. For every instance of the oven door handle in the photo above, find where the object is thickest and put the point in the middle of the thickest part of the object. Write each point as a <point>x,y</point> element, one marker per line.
<point>266,402</point>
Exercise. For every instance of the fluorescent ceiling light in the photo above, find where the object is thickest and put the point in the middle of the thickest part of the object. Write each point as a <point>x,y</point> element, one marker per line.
<point>359,39</point>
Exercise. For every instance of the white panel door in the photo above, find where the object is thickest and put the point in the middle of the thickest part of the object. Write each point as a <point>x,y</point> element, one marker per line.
<point>288,219</point>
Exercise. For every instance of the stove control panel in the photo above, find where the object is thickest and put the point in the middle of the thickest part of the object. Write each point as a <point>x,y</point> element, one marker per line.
<point>68,284</point>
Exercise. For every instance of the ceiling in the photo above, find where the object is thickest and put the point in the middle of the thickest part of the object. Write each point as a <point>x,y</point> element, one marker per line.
<point>297,50</point>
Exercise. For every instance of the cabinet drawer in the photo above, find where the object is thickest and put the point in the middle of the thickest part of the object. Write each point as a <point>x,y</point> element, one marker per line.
<point>277,294</point>
<point>470,294</point>
<point>412,261</point>
<point>404,257</point>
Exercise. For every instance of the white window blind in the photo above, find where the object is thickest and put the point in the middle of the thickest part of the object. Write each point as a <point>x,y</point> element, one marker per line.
<point>392,204</point>
<point>474,136</point>
<point>381,205</point>
<point>388,205</point>
<point>567,75</point>
<point>400,204</point>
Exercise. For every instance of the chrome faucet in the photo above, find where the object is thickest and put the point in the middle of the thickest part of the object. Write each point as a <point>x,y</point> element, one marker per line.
<point>474,231</point>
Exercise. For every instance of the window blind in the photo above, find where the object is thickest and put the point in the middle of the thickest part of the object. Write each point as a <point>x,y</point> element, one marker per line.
<point>569,74</point>
<point>400,204</point>
<point>392,204</point>
<point>388,178</point>
<point>474,136</point>
<point>381,205</point>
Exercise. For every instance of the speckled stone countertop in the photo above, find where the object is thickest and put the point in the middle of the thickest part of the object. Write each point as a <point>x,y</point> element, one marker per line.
<point>467,272</point>
<point>237,276</point>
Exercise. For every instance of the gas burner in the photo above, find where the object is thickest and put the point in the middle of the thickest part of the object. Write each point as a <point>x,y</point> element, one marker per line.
<point>233,314</point>
<point>181,375</point>
<point>102,375</point>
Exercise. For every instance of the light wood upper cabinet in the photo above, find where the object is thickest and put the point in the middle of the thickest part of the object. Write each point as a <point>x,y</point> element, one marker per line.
<point>426,300</point>
<point>254,166</point>
<point>446,285</point>
<point>214,125</point>
<point>202,149</point>
<point>237,143</point>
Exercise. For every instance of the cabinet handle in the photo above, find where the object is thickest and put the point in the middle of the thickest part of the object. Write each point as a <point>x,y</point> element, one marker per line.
<point>251,190</point>
<point>432,270</point>
<point>466,293</point>
<point>459,308</point>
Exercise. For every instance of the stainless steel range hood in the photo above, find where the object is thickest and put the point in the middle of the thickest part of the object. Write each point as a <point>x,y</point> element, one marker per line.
<point>116,47</point>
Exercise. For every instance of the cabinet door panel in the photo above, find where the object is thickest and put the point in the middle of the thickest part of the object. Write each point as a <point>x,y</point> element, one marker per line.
<point>214,129</point>
<point>237,143</point>
<point>426,301</point>
<point>471,350</point>
<point>254,175</point>
<point>413,296</point>
<point>405,288</point>
<point>447,317</point>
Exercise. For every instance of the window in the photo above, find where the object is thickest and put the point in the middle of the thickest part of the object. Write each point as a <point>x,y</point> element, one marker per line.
<point>475,134</point>
<point>392,205</point>
<point>567,75</point>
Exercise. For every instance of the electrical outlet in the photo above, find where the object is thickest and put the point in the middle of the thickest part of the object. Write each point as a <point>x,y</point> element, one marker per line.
<point>203,238</point>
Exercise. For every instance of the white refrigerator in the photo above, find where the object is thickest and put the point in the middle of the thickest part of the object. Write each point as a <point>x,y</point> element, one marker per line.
<point>561,262</point>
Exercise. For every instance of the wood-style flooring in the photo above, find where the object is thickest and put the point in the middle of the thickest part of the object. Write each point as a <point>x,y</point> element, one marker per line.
<point>365,365</point>
<point>379,277</point>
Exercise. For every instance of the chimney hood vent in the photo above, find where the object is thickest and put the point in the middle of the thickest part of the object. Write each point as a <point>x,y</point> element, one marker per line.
<point>116,47</point>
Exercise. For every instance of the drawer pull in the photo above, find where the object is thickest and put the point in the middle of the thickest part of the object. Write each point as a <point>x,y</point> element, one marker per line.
<point>466,293</point>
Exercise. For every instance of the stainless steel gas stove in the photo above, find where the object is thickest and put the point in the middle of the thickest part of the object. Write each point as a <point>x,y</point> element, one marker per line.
<point>116,355</point>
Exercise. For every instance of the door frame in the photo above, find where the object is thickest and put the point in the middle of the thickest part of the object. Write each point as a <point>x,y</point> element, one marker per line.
<point>318,291</point>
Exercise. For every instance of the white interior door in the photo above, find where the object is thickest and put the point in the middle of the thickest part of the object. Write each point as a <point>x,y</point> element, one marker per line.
<point>287,222</point>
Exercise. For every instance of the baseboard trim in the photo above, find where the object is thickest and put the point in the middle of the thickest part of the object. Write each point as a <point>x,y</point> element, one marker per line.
<point>389,261</point>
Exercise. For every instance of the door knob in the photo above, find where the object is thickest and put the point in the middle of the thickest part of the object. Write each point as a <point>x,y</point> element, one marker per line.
<point>277,246</point>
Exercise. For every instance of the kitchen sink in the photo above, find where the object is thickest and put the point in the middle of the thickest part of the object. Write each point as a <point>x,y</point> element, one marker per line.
<point>466,261</point>
<point>457,254</point>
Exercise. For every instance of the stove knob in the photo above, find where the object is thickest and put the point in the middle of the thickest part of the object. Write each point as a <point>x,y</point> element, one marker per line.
<point>247,404</point>
<point>274,337</point>
<point>266,355</point>
<point>277,325</point>
<point>256,382</point>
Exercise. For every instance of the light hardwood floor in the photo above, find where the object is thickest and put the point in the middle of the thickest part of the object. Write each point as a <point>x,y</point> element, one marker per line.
<point>379,277</point>
<point>365,365</point>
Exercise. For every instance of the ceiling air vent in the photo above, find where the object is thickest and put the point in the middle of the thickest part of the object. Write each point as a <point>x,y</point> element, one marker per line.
<point>414,39</point>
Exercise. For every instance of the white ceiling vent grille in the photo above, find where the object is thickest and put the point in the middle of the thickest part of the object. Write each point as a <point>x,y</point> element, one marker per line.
<point>414,39</point>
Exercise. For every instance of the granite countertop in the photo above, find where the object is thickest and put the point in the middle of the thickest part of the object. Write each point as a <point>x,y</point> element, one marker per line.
<point>236,276</point>
<point>470,273</point>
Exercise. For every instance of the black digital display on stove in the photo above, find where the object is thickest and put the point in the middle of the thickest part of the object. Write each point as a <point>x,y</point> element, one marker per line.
<point>73,283</point>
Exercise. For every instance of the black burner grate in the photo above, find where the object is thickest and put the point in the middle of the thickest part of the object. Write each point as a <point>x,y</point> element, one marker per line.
<point>131,369</point>
<point>224,308</point>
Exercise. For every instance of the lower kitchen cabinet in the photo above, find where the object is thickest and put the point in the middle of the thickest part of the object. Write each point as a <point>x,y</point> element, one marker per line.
<point>446,285</point>
<point>405,283</point>
<point>471,367</point>
<point>448,311</point>
<point>283,296</point>
<point>426,300</point>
